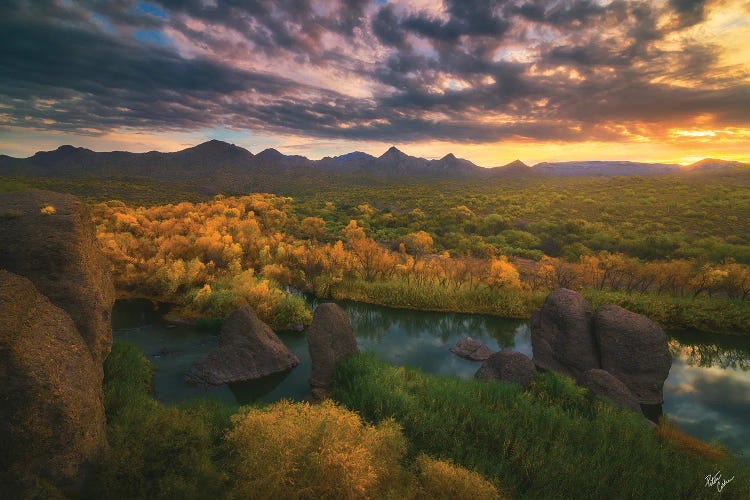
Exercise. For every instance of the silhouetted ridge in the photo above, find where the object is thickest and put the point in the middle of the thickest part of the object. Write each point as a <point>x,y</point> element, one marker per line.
<point>220,165</point>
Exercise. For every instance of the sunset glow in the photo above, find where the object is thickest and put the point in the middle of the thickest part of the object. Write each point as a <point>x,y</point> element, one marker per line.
<point>661,81</point>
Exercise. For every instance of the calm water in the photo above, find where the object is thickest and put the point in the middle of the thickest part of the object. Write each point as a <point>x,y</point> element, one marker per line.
<point>707,392</point>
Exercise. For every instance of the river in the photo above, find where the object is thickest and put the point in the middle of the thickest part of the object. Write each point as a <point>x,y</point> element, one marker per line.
<point>707,392</point>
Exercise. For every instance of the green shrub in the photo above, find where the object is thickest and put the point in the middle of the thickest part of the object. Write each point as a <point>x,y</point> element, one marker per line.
<point>290,311</point>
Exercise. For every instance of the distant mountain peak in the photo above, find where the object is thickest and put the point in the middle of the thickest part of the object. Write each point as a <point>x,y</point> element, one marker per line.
<point>67,148</point>
<point>217,149</point>
<point>212,144</point>
<point>354,155</point>
<point>393,152</point>
<point>449,157</point>
<point>64,151</point>
<point>270,153</point>
<point>712,163</point>
<point>516,164</point>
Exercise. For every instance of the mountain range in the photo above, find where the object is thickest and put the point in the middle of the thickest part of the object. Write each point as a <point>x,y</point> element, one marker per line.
<point>220,160</point>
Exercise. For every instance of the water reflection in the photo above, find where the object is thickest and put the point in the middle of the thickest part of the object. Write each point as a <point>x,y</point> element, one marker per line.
<point>707,392</point>
<point>711,350</point>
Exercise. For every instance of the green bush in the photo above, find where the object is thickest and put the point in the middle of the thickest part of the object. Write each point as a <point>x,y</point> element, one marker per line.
<point>290,311</point>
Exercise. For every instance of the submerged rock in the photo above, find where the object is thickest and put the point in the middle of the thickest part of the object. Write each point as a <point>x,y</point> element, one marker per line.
<point>508,366</point>
<point>634,349</point>
<point>330,340</point>
<point>248,350</point>
<point>59,253</point>
<point>52,422</point>
<point>562,338</point>
<point>606,386</point>
<point>471,349</point>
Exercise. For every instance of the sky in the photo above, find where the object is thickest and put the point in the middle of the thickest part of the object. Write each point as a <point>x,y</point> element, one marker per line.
<point>488,80</point>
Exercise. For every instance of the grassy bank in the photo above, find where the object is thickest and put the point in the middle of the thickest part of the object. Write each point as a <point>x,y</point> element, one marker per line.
<point>549,442</point>
<point>709,314</point>
<point>464,299</point>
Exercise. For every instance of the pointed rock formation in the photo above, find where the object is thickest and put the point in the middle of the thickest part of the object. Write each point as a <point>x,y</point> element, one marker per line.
<point>248,350</point>
<point>330,340</point>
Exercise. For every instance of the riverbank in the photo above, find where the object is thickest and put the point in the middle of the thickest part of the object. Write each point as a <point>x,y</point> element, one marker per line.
<point>708,314</point>
<point>719,315</point>
<point>708,383</point>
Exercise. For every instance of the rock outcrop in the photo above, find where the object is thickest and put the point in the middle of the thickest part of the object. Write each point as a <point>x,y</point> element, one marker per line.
<point>604,385</point>
<point>634,349</point>
<point>562,339</point>
<point>52,422</point>
<point>330,340</point>
<point>508,366</point>
<point>248,350</point>
<point>471,349</point>
<point>59,253</point>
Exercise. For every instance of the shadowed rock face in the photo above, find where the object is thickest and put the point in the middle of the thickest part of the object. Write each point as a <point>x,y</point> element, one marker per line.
<point>330,340</point>
<point>59,253</point>
<point>634,349</point>
<point>508,366</point>
<point>471,349</point>
<point>248,350</point>
<point>606,386</point>
<point>52,421</point>
<point>561,334</point>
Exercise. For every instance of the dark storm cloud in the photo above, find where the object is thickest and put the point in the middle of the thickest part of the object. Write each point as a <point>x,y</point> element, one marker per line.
<point>691,11</point>
<point>472,18</point>
<point>563,13</point>
<point>94,66</point>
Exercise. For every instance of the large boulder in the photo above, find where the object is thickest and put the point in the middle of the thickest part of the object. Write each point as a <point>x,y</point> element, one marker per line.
<point>633,349</point>
<point>562,339</point>
<point>59,253</point>
<point>52,422</point>
<point>471,349</point>
<point>604,385</point>
<point>508,366</point>
<point>248,350</point>
<point>330,340</point>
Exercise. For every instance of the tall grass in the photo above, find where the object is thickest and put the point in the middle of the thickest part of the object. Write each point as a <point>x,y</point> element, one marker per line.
<point>710,314</point>
<point>707,314</point>
<point>551,441</point>
<point>156,451</point>
<point>464,298</point>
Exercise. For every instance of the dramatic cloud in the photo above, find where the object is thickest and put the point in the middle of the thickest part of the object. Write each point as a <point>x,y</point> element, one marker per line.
<point>479,71</point>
